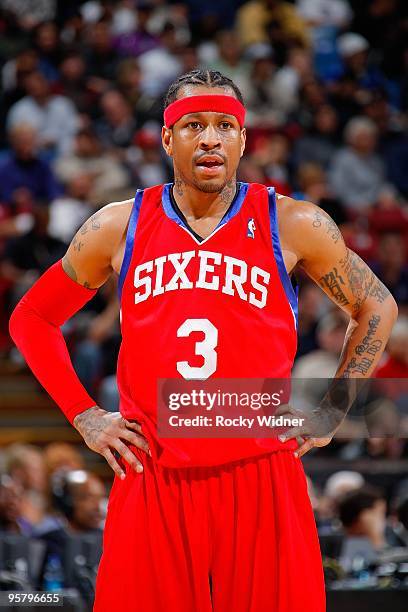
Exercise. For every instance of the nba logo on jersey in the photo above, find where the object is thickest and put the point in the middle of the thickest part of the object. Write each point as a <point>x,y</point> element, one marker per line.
<point>251,228</point>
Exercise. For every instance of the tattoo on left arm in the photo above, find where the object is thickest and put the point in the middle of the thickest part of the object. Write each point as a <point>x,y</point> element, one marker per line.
<point>359,276</point>
<point>365,350</point>
<point>332,281</point>
<point>321,217</point>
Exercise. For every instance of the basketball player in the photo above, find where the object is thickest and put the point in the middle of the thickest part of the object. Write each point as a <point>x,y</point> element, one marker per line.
<point>204,268</point>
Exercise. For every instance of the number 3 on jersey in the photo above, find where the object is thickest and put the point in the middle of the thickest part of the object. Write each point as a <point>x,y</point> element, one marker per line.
<point>205,348</point>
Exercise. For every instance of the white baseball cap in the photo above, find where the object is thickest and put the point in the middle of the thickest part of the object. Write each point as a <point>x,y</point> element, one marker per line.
<point>351,43</point>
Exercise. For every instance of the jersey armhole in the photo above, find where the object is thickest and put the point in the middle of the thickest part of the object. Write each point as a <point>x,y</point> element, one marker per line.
<point>130,239</point>
<point>290,290</point>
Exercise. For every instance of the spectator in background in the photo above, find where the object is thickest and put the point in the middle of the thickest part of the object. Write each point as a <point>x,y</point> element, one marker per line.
<point>230,60</point>
<point>341,483</point>
<point>323,362</point>
<point>100,56</point>
<point>255,17</point>
<point>13,76</point>
<point>391,266</point>
<point>384,432</point>
<point>271,154</point>
<point>353,50</point>
<point>320,142</point>
<point>394,363</point>
<point>23,169</point>
<point>160,65</point>
<point>312,306</point>
<point>178,14</point>
<point>46,44</point>
<point>30,13</point>
<point>401,529</point>
<point>73,82</point>
<point>140,40</point>
<point>11,518</point>
<point>29,255</point>
<point>312,96</point>
<point>60,456</point>
<point>362,513</point>
<point>79,497</point>
<point>250,172</point>
<point>117,125</point>
<point>108,176</point>
<point>25,465</point>
<point>357,173</point>
<point>70,211</point>
<point>95,354</point>
<point>261,99</point>
<point>337,486</point>
<point>290,80</point>
<point>325,12</point>
<point>54,117</point>
<point>325,18</point>
<point>145,161</point>
<point>396,158</point>
<point>128,80</point>
<point>313,186</point>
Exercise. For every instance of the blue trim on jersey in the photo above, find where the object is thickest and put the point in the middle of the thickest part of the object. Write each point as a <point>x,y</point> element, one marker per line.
<point>167,207</point>
<point>291,292</point>
<point>130,238</point>
<point>236,204</point>
<point>231,212</point>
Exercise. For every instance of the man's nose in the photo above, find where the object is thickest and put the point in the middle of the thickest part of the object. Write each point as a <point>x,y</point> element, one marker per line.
<point>210,138</point>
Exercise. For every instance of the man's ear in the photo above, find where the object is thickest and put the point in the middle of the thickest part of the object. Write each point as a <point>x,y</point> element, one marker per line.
<point>167,140</point>
<point>243,141</point>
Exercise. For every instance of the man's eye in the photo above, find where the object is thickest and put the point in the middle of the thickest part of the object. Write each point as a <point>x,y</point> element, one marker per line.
<point>226,125</point>
<point>194,125</point>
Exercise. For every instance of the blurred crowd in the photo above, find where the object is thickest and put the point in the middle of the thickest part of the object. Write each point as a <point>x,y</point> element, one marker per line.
<point>325,85</point>
<point>82,87</point>
<point>47,496</point>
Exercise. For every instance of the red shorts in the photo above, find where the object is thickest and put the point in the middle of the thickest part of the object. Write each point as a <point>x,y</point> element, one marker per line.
<point>238,537</point>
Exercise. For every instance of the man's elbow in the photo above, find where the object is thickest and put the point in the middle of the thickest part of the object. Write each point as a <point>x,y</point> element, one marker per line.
<point>388,309</point>
<point>15,323</point>
<point>392,308</point>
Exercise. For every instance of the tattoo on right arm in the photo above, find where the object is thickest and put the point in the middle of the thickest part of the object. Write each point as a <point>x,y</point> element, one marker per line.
<point>66,264</point>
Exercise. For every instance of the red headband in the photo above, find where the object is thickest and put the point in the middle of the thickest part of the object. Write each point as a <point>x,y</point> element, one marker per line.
<point>211,103</point>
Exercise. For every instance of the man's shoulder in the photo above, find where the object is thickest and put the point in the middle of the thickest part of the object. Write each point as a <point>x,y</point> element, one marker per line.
<point>291,210</point>
<point>108,224</point>
<point>288,209</point>
<point>115,213</point>
<point>301,224</point>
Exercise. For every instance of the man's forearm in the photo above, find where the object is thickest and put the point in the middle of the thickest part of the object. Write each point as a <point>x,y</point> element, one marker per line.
<point>35,328</point>
<point>365,341</point>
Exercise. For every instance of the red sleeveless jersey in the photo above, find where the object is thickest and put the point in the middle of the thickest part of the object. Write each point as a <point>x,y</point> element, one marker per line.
<point>232,287</point>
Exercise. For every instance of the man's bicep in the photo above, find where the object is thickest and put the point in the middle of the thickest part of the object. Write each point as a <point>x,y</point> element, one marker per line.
<point>345,278</point>
<point>88,258</point>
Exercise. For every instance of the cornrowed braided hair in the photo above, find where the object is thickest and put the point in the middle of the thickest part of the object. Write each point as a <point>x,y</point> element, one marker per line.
<point>211,78</point>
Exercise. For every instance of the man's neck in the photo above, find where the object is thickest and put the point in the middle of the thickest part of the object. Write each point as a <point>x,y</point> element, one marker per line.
<point>196,204</point>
